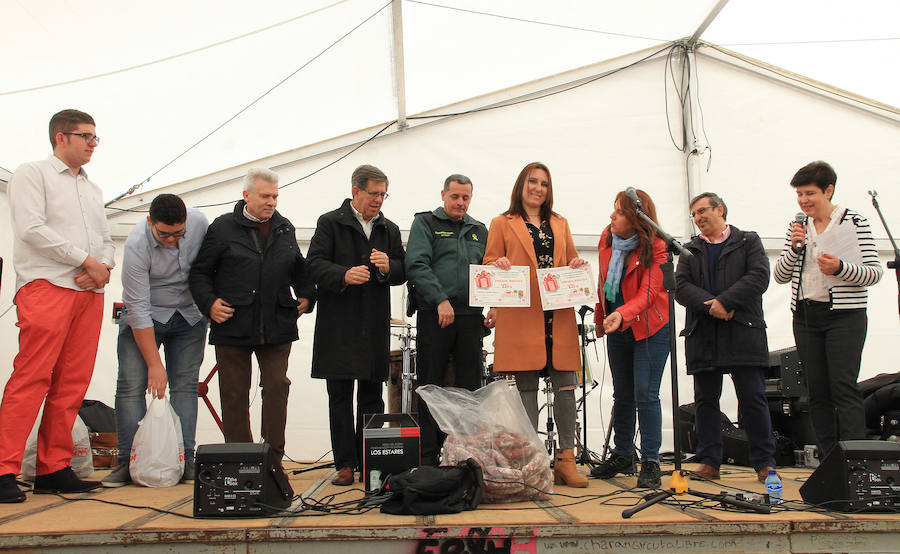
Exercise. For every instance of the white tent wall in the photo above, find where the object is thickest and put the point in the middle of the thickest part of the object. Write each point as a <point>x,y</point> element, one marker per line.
<point>597,139</point>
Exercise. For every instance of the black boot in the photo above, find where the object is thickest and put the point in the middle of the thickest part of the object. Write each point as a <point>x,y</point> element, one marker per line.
<point>9,490</point>
<point>64,481</point>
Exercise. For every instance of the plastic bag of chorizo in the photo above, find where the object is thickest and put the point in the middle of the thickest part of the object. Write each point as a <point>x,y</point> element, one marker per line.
<point>490,426</point>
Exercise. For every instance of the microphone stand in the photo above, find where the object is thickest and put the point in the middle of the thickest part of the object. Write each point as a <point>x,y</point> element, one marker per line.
<point>895,264</point>
<point>678,482</point>
<point>586,457</point>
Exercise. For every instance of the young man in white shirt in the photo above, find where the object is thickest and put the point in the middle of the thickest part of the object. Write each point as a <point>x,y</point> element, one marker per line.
<point>63,255</point>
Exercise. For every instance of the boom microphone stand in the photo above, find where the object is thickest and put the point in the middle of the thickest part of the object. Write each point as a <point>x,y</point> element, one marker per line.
<point>678,483</point>
<point>895,264</point>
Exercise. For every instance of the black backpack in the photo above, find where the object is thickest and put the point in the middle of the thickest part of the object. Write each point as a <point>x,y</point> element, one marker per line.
<point>429,490</point>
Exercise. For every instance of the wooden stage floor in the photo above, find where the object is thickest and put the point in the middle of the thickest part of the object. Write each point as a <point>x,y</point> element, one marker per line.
<point>572,521</point>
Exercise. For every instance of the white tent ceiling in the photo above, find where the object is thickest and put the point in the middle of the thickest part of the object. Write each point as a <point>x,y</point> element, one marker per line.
<point>217,57</point>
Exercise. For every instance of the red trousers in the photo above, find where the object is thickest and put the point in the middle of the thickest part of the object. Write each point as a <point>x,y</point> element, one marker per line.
<point>58,333</point>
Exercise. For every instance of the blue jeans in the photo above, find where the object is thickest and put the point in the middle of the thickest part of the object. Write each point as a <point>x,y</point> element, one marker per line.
<point>183,350</point>
<point>637,368</point>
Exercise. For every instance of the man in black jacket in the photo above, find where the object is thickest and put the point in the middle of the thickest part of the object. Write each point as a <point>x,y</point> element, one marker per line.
<point>721,288</point>
<point>242,279</point>
<point>355,256</point>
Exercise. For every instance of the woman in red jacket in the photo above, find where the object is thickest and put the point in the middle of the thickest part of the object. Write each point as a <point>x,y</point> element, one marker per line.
<point>634,313</point>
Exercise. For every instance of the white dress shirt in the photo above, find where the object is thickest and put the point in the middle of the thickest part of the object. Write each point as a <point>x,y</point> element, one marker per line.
<point>812,280</point>
<point>58,221</point>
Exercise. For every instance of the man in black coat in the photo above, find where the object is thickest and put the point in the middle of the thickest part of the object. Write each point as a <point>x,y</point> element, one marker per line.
<point>355,256</point>
<point>721,288</point>
<point>242,279</point>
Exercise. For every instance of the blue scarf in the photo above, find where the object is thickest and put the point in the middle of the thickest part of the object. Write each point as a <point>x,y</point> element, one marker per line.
<point>621,248</point>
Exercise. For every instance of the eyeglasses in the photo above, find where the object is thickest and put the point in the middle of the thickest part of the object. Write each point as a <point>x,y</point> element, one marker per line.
<point>164,235</point>
<point>383,195</point>
<point>88,137</point>
<point>700,211</point>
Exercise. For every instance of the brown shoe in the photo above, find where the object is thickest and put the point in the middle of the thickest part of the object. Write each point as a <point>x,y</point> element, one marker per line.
<point>565,472</point>
<point>763,473</point>
<point>344,477</point>
<point>707,471</point>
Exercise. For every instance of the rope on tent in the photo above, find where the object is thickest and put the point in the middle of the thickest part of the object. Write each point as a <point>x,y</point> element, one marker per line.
<point>805,82</point>
<point>251,104</point>
<point>173,56</point>
<point>570,27</point>
<point>529,98</point>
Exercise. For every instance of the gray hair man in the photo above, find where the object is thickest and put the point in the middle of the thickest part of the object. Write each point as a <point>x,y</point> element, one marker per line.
<point>251,280</point>
<point>355,256</point>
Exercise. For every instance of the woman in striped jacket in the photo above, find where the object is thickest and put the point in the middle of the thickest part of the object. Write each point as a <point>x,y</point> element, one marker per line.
<point>828,299</point>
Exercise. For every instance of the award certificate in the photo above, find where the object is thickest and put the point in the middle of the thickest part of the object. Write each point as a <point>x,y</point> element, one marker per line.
<point>564,287</point>
<point>493,287</point>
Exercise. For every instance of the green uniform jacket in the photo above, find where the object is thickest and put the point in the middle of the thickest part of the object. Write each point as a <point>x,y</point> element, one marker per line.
<point>438,254</point>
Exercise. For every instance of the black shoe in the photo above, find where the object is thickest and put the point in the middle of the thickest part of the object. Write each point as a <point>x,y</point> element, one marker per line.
<point>118,477</point>
<point>650,476</point>
<point>9,490</point>
<point>189,472</point>
<point>615,464</point>
<point>64,481</point>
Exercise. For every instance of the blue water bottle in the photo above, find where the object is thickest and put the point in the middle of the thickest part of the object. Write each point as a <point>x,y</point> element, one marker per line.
<point>773,488</point>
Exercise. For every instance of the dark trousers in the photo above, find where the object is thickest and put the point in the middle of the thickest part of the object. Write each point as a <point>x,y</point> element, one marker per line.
<point>346,439</point>
<point>234,391</point>
<point>434,345</point>
<point>749,384</point>
<point>830,344</point>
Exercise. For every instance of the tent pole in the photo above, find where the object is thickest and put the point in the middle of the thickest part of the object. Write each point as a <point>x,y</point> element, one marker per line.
<point>713,13</point>
<point>397,62</point>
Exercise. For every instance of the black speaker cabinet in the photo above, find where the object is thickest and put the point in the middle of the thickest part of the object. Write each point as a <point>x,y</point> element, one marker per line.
<point>857,476</point>
<point>239,480</point>
<point>786,376</point>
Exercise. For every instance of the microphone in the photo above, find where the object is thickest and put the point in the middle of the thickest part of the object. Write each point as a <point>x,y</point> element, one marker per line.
<point>631,193</point>
<point>801,219</point>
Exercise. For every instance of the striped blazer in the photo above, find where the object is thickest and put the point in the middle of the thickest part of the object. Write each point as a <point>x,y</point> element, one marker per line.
<point>851,295</point>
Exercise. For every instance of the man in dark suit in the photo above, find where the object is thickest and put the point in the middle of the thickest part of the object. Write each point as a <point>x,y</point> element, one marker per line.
<point>355,256</point>
<point>721,288</point>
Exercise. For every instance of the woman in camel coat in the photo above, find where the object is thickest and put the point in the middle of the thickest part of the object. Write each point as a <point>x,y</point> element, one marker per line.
<point>529,233</point>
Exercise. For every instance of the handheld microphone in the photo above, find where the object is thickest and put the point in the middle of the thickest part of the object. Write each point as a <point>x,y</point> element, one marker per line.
<point>800,218</point>
<point>631,193</point>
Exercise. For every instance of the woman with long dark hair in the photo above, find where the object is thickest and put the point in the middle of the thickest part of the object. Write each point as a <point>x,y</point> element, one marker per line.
<point>529,341</point>
<point>634,314</point>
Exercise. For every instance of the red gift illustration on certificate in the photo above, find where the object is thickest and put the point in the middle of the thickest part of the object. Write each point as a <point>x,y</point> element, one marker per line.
<point>483,280</point>
<point>551,282</point>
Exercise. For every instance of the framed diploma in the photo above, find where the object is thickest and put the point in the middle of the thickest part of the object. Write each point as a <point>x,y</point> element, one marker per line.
<point>564,287</point>
<point>493,287</point>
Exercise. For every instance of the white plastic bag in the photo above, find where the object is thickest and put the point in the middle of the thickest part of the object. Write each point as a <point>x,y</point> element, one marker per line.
<point>82,458</point>
<point>157,451</point>
<point>490,425</point>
